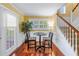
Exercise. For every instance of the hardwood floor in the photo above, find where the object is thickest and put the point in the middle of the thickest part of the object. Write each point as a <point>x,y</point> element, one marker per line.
<point>23,51</point>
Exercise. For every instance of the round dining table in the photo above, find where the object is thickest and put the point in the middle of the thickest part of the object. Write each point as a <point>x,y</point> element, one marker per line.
<point>40,34</point>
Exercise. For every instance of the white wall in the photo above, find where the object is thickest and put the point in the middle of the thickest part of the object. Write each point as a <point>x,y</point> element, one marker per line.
<point>76,22</point>
<point>0,31</point>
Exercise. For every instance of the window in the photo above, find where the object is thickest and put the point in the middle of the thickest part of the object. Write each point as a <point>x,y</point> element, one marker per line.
<point>63,10</point>
<point>39,24</point>
<point>10,26</point>
<point>11,21</point>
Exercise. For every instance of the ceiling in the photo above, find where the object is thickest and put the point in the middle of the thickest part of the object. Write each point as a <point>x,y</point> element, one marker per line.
<point>38,9</point>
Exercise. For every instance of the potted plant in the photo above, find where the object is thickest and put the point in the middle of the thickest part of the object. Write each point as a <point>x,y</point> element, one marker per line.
<point>26,27</point>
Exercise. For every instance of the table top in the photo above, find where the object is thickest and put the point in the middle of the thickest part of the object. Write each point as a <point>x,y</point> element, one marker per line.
<point>40,33</point>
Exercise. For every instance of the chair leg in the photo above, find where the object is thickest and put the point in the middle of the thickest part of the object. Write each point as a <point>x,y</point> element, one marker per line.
<point>32,44</point>
<point>49,45</point>
<point>28,45</point>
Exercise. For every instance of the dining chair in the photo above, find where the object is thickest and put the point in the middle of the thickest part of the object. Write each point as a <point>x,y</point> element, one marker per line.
<point>47,41</point>
<point>32,43</point>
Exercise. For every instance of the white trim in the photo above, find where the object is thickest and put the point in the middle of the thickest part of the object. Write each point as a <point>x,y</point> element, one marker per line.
<point>7,9</point>
<point>17,9</point>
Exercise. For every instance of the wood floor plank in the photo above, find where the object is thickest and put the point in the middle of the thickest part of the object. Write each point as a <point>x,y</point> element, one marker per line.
<point>23,51</point>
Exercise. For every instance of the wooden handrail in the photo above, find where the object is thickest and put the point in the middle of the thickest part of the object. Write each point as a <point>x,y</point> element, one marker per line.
<point>68,23</point>
<point>75,7</point>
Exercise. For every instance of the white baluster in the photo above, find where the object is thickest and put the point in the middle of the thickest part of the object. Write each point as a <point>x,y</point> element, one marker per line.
<point>70,35</point>
<point>67,33</point>
<point>76,43</point>
<point>73,39</point>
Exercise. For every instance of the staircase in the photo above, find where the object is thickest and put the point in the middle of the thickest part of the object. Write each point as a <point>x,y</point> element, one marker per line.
<point>70,29</point>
